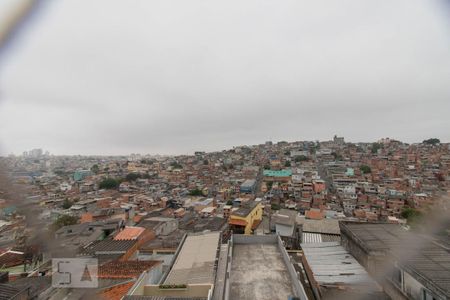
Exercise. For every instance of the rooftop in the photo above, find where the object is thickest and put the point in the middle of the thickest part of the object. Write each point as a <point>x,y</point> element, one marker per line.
<point>314,214</point>
<point>116,292</point>
<point>170,241</point>
<point>206,201</point>
<point>154,223</point>
<point>376,237</point>
<point>35,284</point>
<point>129,233</point>
<point>109,246</point>
<point>162,298</point>
<point>281,173</point>
<point>258,272</point>
<point>248,183</point>
<point>261,269</point>
<point>245,209</point>
<point>428,259</point>
<point>310,237</point>
<point>11,258</point>
<point>195,262</point>
<point>333,267</point>
<point>285,217</point>
<point>8,292</point>
<point>328,226</point>
<point>125,269</point>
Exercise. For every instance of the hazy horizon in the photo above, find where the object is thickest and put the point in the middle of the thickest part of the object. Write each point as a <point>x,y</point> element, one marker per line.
<point>174,77</point>
<point>203,150</point>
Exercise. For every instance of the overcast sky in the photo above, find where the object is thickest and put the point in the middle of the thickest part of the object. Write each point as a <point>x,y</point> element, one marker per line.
<point>173,77</point>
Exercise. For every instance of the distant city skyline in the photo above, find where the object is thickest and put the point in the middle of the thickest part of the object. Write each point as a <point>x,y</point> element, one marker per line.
<point>45,151</point>
<point>174,77</point>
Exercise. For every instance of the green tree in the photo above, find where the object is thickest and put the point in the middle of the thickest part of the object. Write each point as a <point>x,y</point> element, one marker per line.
<point>287,164</point>
<point>365,169</point>
<point>229,202</point>
<point>59,172</point>
<point>95,169</point>
<point>432,141</point>
<point>176,165</point>
<point>301,158</point>
<point>196,192</point>
<point>132,176</point>
<point>275,206</point>
<point>67,204</point>
<point>376,147</point>
<point>146,161</point>
<point>336,156</point>
<point>64,220</point>
<point>411,215</point>
<point>109,183</point>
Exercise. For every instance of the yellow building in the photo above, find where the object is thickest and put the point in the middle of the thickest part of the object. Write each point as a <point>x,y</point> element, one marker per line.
<point>135,168</point>
<point>246,218</point>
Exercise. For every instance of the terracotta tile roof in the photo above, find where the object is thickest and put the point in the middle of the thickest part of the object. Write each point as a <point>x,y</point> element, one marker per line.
<point>116,292</point>
<point>129,233</point>
<point>125,269</point>
<point>11,259</point>
<point>237,222</point>
<point>314,214</point>
<point>256,224</point>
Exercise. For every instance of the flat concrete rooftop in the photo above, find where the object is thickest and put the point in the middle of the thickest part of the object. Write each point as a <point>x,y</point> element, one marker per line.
<point>258,272</point>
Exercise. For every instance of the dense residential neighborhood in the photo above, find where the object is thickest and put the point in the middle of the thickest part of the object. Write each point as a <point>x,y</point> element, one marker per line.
<point>306,220</point>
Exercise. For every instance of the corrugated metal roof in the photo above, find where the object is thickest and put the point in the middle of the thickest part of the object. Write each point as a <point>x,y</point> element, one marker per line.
<point>417,254</point>
<point>8,292</point>
<point>311,238</point>
<point>331,264</point>
<point>308,237</point>
<point>108,245</point>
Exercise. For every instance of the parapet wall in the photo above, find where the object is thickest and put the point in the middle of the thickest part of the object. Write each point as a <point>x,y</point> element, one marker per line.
<point>254,239</point>
<point>297,286</point>
<point>264,239</point>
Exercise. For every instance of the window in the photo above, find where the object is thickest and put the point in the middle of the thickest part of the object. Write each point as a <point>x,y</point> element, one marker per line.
<point>427,295</point>
<point>397,276</point>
